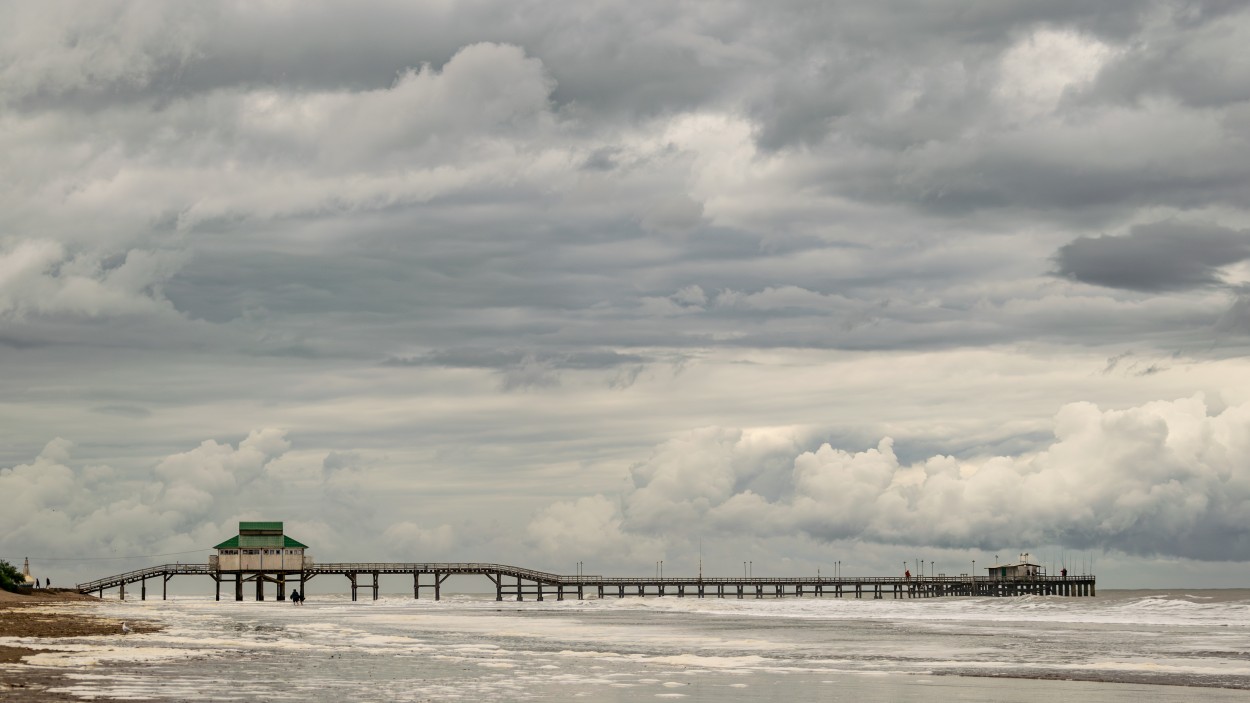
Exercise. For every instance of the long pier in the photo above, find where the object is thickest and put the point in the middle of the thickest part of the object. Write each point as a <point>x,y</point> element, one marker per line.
<point>513,582</point>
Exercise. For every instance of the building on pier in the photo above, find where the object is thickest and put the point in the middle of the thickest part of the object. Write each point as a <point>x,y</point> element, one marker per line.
<point>1018,571</point>
<point>260,547</point>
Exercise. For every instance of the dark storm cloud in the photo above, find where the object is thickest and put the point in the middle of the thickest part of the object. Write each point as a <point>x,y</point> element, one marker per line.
<point>131,411</point>
<point>636,58</point>
<point>1163,256</point>
<point>507,359</point>
<point>1198,66</point>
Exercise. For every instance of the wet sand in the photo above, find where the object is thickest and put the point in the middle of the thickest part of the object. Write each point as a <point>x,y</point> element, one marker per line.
<point>29,616</point>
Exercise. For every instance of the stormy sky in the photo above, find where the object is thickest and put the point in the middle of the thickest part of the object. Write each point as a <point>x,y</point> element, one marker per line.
<point>541,282</point>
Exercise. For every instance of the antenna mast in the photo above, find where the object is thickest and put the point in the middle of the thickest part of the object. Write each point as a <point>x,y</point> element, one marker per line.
<point>700,558</point>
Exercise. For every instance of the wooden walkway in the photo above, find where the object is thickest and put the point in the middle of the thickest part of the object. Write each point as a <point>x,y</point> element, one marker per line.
<point>513,582</point>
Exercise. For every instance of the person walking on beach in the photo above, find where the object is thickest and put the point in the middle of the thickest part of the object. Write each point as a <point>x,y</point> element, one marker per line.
<point>37,584</point>
<point>295,596</point>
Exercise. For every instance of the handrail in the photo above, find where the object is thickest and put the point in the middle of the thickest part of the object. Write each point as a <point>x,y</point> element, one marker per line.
<point>139,574</point>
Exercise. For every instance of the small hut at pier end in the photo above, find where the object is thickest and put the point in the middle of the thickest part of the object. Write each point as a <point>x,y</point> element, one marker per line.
<point>1018,571</point>
<point>260,547</point>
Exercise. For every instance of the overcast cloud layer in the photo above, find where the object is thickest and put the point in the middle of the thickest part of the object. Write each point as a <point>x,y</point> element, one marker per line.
<point>535,282</point>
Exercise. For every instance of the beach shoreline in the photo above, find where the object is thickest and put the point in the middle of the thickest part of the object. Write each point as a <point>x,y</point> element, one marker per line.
<point>29,615</point>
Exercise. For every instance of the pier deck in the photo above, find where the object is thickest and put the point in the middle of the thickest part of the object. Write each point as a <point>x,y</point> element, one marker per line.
<point>517,583</point>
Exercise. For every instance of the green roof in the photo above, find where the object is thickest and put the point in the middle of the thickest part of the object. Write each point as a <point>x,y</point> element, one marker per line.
<point>260,526</point>
<point>260,541</point>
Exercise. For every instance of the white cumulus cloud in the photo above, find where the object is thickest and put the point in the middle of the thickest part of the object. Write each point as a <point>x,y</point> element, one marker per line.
<point>1165,477</point>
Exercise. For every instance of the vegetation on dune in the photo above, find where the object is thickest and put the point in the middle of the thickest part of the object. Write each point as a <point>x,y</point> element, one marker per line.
<point>10,577</point>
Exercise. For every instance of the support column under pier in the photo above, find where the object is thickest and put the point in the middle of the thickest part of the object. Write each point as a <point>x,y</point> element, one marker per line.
<point>122,590</point>
<point>143,589</point>
<point>260,587</point>
<point>238,586</point>
<point>281,587</point>
<point>375,585</point>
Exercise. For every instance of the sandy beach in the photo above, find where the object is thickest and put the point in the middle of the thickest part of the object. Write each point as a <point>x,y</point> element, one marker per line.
<point>30,616</point>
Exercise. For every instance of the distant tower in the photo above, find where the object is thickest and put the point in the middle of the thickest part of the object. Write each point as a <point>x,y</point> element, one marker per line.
<point>27,579</point>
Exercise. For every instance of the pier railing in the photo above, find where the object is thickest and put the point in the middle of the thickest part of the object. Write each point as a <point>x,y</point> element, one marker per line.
<point>482,568</point>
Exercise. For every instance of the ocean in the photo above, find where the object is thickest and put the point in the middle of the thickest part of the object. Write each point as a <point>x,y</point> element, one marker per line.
<point>1120,646</point>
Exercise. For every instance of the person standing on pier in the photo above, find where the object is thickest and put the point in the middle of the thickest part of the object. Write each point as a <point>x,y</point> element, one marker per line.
<point>907,574</point>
